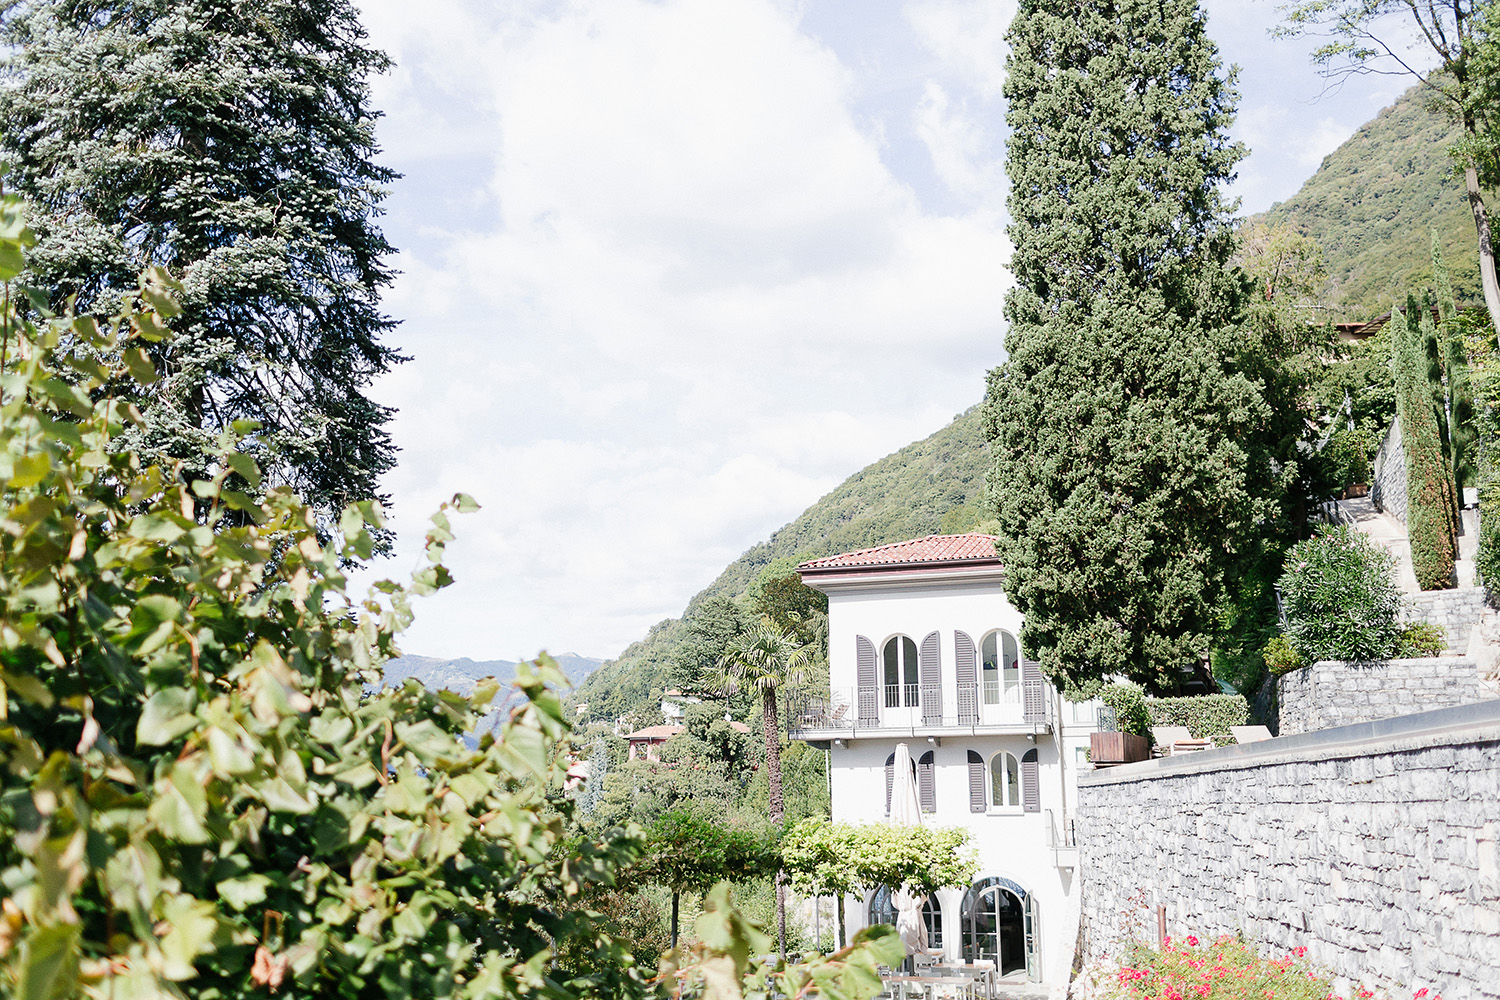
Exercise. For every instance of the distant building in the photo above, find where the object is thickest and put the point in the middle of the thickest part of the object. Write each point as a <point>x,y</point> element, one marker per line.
<point>645,744</point>
<point>925,650</point>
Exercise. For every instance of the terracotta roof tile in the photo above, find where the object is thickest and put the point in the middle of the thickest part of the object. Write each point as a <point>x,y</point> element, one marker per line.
<point>654,733</point>
<point>932,549</point>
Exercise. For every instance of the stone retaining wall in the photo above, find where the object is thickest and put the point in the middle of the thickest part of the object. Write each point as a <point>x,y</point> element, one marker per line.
<point>1388,474</point>
<point>1377,847</point>
<point>1457,611</point>
<point>1340,693</point>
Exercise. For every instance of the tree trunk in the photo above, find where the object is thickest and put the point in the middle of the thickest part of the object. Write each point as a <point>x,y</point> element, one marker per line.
<point>674,919</point>
<point>773,751</point>
<point>843,934</point>
<point>771,724</point>
<point>781,914</point>
<point>1487,277</point>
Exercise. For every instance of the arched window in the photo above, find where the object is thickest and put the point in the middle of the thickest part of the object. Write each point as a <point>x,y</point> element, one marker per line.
<point>1001,658</point>
<point>900,657</point>
<point>998,923</point>
<point>1005,780</point>
<point>882,912</point>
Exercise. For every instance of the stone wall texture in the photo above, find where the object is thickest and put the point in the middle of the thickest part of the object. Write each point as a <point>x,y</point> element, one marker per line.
<point>1340,693</point>
<point>1388,474</point>
<point>1377,847</point>
<point>1457,611</point>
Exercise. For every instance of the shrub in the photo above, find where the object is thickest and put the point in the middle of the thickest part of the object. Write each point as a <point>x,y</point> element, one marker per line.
<point>1204,715</point>
<point>1280,657</point>
<point>206,791</point>
<point>1487,559</point>
<point>1339,599</point>
<point>1421,639</point>
<point>1129,704</point>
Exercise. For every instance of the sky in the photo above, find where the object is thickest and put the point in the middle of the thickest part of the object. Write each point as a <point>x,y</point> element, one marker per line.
<point>671,270</point>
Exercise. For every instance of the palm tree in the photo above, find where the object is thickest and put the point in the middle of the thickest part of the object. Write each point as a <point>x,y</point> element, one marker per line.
<point>766,657</point>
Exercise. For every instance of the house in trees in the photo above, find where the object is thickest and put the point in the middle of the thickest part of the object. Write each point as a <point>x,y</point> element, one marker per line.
<point>925,650</point>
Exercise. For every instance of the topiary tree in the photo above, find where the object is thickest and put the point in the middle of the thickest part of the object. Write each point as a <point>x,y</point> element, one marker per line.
<point>689,850</point>
<point>1339,599</point>
<point>836,859</point>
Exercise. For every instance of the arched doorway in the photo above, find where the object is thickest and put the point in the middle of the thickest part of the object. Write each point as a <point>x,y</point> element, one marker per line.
<point>999,925</point>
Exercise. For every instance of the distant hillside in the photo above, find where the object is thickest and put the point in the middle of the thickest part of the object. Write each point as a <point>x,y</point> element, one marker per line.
<point>935,485</point>
<point>461,674</point>
<point>1373,204</point>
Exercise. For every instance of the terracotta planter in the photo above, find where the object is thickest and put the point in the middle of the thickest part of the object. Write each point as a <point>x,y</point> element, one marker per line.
<point>1108,749</point>
<point>1357,490</point>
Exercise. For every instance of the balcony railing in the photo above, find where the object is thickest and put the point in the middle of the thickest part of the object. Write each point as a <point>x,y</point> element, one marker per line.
<point>918,706</point>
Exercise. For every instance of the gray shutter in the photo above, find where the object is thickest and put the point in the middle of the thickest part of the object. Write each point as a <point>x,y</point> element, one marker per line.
<point>1034,691</point>
<point>930,674</point>
<point>1031,785</point>
<point>890,773</point>
<point>927,783</point>
<point>976,783</point>
<point>966,669</point>
<point>869,687</point>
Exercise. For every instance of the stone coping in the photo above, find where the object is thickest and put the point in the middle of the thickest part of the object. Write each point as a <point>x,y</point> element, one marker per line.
<point>1408,661</point>
<point>1474,723</point>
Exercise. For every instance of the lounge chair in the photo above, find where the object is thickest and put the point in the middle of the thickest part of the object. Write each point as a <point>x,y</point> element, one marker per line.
<point>1249,734</point>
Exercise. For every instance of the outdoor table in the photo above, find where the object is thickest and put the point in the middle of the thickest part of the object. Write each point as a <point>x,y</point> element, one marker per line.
<point>982,972</point>
<point>963,985</point>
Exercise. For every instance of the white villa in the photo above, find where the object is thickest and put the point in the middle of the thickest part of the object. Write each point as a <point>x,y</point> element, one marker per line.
<point>925,650</point>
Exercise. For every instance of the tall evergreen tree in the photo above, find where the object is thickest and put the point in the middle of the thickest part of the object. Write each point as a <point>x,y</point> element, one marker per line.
<point>232,142</point>
<point>1127,473</point>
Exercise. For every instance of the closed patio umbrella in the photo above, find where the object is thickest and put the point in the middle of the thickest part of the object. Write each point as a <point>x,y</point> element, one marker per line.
<point>905,811</point>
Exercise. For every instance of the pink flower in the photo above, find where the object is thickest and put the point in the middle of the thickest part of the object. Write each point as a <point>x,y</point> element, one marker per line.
<point>1192,941</point>
<point>1419,994</point>
<point>1299,952</point>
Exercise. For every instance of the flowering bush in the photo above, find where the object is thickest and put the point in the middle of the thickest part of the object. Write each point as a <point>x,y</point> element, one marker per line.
<point>1227,968</point>
<point>1224,969</point>
<point>1339,598</point>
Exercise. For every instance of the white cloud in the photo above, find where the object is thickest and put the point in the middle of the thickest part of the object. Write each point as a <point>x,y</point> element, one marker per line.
<point>690,300</point>
<point>967,36</point>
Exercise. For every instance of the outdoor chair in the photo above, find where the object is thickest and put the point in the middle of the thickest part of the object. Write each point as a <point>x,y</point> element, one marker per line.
<point>1166,739</point>
<point>1249,734</point>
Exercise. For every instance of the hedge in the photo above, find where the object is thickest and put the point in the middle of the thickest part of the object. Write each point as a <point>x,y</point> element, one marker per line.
<point>1204,715</point>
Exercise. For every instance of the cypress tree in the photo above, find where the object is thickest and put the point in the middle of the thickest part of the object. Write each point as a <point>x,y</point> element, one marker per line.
<point>232,142</point>
<point>1126,473</point>
<point>1431,507</point>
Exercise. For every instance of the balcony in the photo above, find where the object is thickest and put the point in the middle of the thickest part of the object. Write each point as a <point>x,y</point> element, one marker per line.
<point>922,710</point>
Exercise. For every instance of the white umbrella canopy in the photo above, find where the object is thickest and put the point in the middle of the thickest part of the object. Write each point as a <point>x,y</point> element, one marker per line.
<point>907,811</point>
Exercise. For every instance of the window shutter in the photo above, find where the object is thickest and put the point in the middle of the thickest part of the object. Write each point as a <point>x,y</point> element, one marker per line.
<point>1034,691</point>
<point>976,782</point>
<point>890,773</point>
<point>1031,785</point>
<point>869,688</point>
<point>966,668</point>
<point>927,783</point>
<point>930,673</point>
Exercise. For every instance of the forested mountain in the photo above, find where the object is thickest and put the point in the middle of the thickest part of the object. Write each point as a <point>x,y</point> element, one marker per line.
<point>1373,205</point>
<point>461,674</point>
<point>935,485</point>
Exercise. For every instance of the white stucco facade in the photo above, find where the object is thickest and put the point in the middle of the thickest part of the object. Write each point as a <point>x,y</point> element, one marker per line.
<point>968,705</point>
